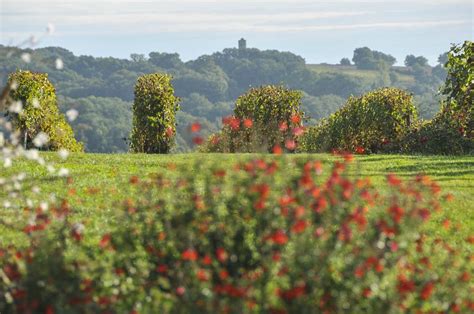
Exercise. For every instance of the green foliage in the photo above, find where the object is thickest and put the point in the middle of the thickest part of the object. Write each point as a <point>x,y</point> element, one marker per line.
<point>103,124</point>
<point>374,122</point>
<point>40,111</point>
<point>154,109</point>
<point>459,87</point>
<point>452,129</point>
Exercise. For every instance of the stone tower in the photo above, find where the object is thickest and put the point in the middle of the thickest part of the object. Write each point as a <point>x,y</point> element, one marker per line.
<point>242,44</point>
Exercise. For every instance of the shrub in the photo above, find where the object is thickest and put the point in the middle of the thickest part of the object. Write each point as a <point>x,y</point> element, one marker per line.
<point>154,109</point>
<point>264,118</point>
<point>452,129</point>
<point>253,238</point>
<point>374,122</point>
<point>38,112</point>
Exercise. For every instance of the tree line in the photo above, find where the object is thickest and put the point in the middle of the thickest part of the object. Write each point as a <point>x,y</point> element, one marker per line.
<point>101,89</point>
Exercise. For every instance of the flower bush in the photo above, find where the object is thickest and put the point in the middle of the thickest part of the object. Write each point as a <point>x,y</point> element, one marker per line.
<point>374,122</point>
<point>264,118</point>
<point>253,238</point>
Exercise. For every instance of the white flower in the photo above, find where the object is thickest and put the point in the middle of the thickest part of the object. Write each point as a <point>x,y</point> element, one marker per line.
<point>7,163</point>
<point>16,107</point>
<point>35,103</point>
<point>41,139</point>
<point>59,64</point>
<point>63,172</point>
<point>13,85</point>
<point>78,228</point>
<point>50,29</point>
<point>63,153</point>
<point>32,154</point>
<point>50,169</point>
<point>26,57</point>
<point>44,206</point>
<point>72,114</point>
<point>35,189</point>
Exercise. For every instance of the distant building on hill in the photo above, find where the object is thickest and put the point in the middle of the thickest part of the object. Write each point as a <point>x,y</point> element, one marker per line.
<point>242,44</point>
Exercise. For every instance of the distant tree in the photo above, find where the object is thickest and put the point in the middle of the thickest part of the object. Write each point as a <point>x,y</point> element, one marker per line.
<point>37,113</point>
<point>154,109</point>
<point>367,59</point>
<point>345,61</point>
<point>443,58</point>
<point>165,60</point>
<point>136,57</point>
<point>411,61</point>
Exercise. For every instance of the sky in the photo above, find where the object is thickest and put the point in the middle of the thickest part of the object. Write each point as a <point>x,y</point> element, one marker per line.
<point>319,31</point>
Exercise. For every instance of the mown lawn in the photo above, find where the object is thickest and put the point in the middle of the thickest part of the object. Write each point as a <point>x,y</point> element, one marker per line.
<point>101,181</point>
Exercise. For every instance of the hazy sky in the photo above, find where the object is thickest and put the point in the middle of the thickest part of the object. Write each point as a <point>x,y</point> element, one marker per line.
<point>320,31</point>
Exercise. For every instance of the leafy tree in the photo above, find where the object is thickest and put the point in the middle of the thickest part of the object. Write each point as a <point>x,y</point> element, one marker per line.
<point>165,60</point>
<point>154,109</point>
<point>443,58</point>
<point>37,112</point>
<point>137,57</point>
<point>367,59</point>
<point>411,61</point>
<point>345,61</point>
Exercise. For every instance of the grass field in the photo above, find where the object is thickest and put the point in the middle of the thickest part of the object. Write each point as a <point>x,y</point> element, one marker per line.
<point>101,181</point>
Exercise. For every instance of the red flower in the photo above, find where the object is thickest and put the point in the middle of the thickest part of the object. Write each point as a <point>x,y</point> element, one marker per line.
<point>299,226</point>
<point>232,122</point>
<point>221,255</point>
<point>206,260</point>
<point>162,269</point>
<point>202,275</point>
<point>189,255</point>
<point>180,290</point>
<point>279,237</point>
<point>397,213</point>
<point>295,119</point>
<point>169,132</point>
<point>277,150</point>
<point>290,144</point>
<point>105,241</point>
<point>283,126</point>
<point>360,150</point>
<point>367,292</point>
<point>427,291</point>
<point>248,123</point>
<point>223,274</point>
<point>298,131</point>
<point>195,127</point>
<point>293,293</point>
<point>405,286</point>
<point>198,140</point>
<point>393,179</point>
